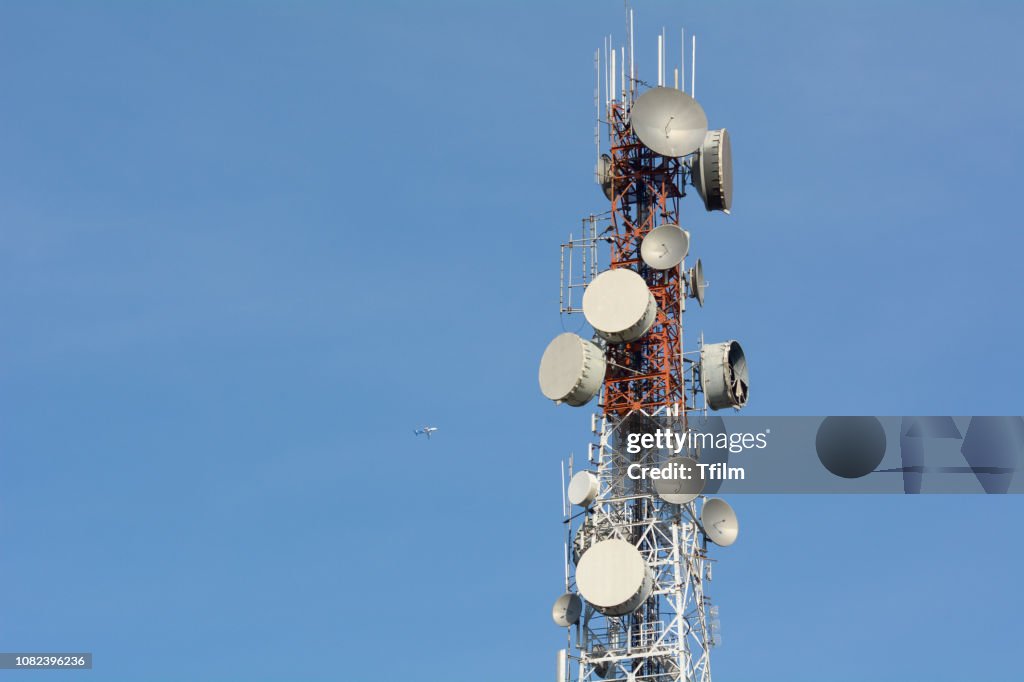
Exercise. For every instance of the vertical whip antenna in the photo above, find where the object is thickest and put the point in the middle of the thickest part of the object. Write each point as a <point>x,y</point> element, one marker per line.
<point>693,70</point>
<point>632,65</point>
<point>622,71</point>
<point>660,65</point>
<point>611,93</point>
<point>597,102</point>
<point>606,73</point>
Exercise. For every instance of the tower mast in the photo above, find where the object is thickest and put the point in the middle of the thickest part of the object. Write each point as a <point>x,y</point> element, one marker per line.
<point>637,563</point>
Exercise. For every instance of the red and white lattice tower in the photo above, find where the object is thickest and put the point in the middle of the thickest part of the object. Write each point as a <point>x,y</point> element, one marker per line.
<point>636,561</point>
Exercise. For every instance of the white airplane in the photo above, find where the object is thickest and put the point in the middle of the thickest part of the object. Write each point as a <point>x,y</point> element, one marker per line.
<point>427,430</point>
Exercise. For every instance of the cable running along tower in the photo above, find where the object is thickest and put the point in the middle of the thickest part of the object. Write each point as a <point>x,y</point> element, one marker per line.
<point>635,604</point>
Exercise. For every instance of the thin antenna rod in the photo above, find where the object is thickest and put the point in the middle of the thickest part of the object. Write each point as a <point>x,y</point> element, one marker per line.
<point>597,102</point>
<point>693,70</point>
<point>611,69</point>
<point>660,65</point>
<point>633,71</point>
<point>565,509</point>
<point>622,71</point>
<point>607,75</point>
<point>611,93</point>
<point>604,42</point>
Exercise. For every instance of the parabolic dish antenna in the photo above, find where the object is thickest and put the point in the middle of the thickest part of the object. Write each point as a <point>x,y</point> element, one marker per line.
<point>571,370</point>
<point>711,171</point>
<point>619,306</point>
<point>719,522</point>
<point>677,489</point>
<point>697,283</point>
<point>724,375</point>
<point>567,610</point>
<point>669,122</point>
<point>613,577</point>
<point>604,175</point>
<point>665,246</point>
<point>583,487</point>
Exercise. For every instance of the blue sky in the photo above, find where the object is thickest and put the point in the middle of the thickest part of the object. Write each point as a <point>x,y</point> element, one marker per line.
<point>246,248</point>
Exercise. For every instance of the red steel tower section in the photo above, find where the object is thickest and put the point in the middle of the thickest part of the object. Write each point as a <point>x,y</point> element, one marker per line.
<point>646,374</point>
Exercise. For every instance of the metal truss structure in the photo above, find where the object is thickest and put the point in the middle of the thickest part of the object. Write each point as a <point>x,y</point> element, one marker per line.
<point>646,187</point>
<point>669,637</point>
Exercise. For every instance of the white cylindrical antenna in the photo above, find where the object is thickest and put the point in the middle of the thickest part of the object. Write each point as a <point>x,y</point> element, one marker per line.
<point>562,666</point>
<point>622,71</point>
<point>611,74</point>
<point>611,70</point>
<point>693,70</point>
<point>632,65</point>
<point>597,102</point>
<point>607,77</point>
<point>612,93</point>
<point>565,509</point>
<point>660,65</point>
<point>677,78</point>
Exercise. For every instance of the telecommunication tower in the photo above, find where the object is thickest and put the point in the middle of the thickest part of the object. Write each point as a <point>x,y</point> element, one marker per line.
<point>636,552</point>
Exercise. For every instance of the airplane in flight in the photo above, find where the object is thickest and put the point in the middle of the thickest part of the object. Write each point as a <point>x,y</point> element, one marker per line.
<point>427,430</point>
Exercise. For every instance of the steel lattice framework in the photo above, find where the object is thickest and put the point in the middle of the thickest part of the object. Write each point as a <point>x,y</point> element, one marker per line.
<point>646,374</point>
<point>669,637</point>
